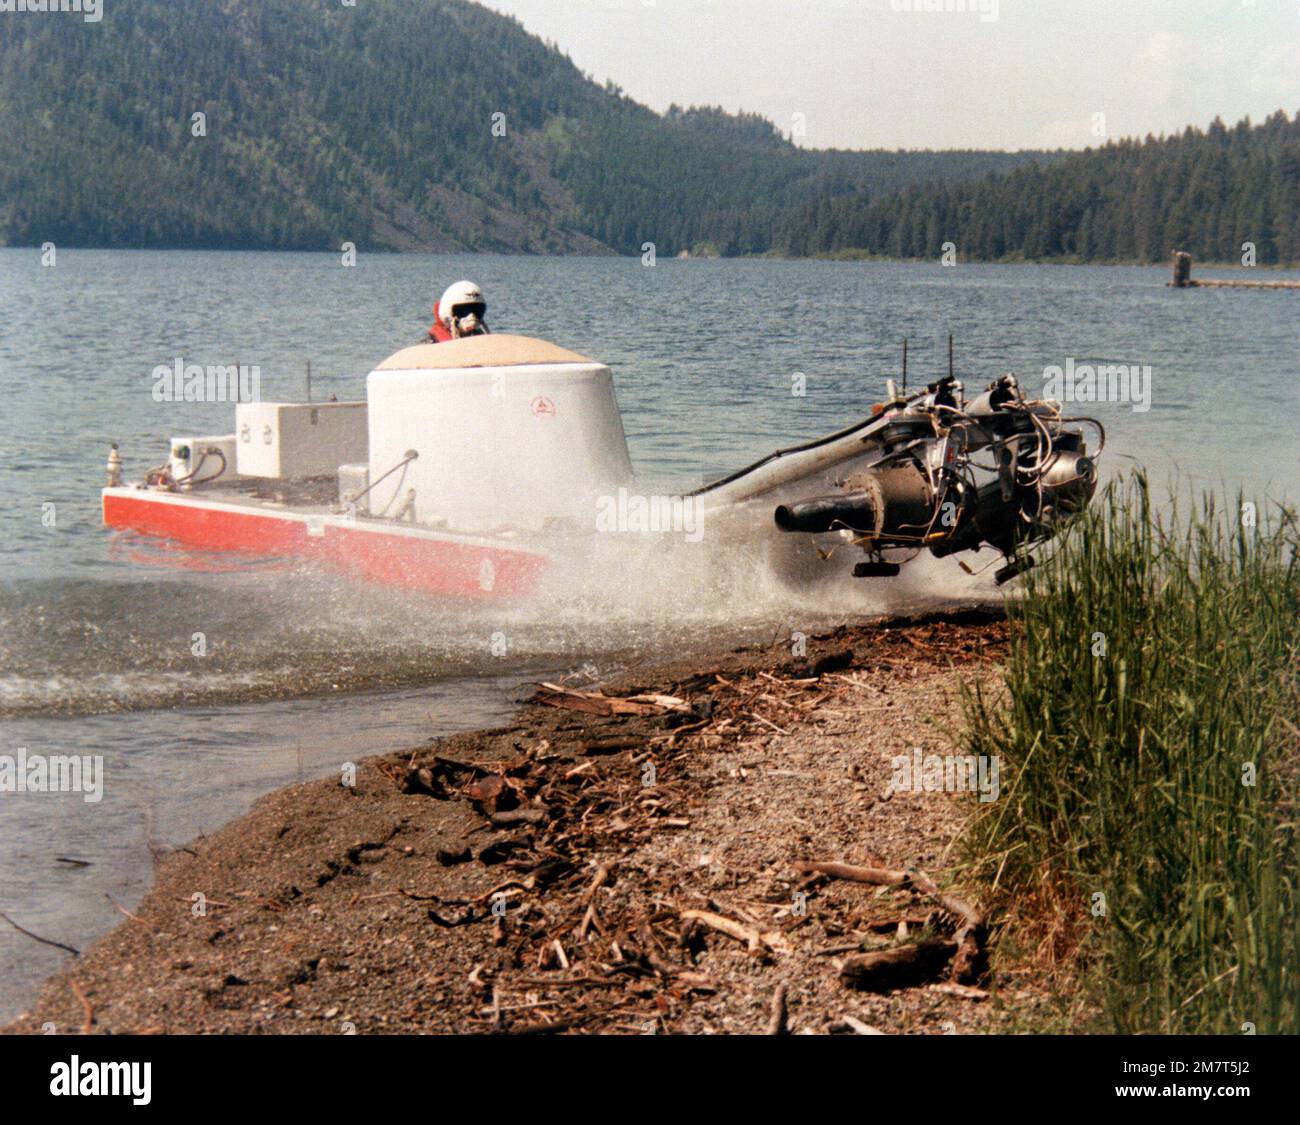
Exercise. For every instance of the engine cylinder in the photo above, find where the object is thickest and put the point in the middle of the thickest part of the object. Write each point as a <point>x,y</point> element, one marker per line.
<point>1070,481</point>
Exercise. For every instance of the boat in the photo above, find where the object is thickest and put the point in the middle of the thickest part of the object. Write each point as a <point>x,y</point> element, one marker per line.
<point>474,466</point>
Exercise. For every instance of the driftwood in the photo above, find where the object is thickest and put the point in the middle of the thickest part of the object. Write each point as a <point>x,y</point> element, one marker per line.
<point>511,817</point>
<point>777,1018</point>
<point>89,1021</point>
<point>831,662</point>
<point>612,745</point>
<point>912,964</point>
<point>903,966</point>
<point>753,940</point>
<point>960,990</point>
<point>122,909</point>
<point>969,962</point>
<point>725,926</point>
<point>858,1027</point>
<point>589,917</point>
<point>37,937</point>
<point>597,703</point>
<point>423,781</point>
<point>551,1028</point>
<point>579,787</point>
<point>486,790</point>
<point>886,876</point>
<point>968,959</point>
<point>881,876</point>
<point>589,702</point>
<point>451,923</point>
<point>972,919</point>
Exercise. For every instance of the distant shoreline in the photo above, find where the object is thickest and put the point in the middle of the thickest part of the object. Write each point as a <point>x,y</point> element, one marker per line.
<point>845,256</point>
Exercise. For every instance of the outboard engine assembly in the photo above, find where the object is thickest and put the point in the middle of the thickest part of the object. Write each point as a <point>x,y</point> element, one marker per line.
<point>948,475</point>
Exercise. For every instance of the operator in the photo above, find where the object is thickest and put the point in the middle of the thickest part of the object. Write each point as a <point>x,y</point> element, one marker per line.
<point>459,312</point>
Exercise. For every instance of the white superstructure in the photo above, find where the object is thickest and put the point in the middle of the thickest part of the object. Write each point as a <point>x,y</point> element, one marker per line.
<point>508,431</point>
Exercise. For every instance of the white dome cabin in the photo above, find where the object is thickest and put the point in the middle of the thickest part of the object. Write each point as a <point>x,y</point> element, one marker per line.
<point>509,432</point>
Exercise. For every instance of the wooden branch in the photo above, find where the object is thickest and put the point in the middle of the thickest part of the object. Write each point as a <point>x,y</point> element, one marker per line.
<point>553,1027</point>
<point>951,903</point>
<point>37,937</point>
<point>903,966</point>
<point>85,1004</point>
<point>831,662</point>
<point>950,989</point>
<point>602,874</point>
<point>968,963</point>
<point>766,722</point>
<point>881,876</point>
<point>124,910</point>
<point>725,926</point>
<point>611,745</point>
<point>512,817</point>
<point>776,1021</point>
<point>754,941</point>
<point>597,703</point>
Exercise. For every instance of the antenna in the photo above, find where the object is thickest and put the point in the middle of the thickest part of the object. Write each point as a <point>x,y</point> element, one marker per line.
<point>904,365</point>
<point>949,355</point>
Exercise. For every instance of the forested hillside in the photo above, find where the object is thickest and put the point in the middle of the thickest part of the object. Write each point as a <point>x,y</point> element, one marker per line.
<point>441,125</point>
<point>374,124</point>
<point>1204,191</point>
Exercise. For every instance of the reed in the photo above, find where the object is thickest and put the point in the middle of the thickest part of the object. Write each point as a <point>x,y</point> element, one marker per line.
<point>1147,729</point>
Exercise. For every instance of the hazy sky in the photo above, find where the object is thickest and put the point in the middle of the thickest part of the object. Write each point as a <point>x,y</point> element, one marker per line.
<point>1003,74</point>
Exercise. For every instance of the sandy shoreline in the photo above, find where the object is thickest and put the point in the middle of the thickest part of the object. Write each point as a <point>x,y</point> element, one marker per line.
<point>577,871</point>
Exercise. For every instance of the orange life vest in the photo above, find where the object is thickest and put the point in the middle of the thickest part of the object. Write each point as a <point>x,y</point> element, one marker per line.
<point>438,334</point>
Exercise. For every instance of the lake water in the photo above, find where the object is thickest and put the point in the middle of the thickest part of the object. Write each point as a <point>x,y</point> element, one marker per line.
<point>95,629</point>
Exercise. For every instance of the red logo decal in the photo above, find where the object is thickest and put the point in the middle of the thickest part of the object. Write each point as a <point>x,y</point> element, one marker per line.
<point>543,407</point>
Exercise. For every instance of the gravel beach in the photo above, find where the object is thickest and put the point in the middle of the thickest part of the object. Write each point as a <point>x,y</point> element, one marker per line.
<point>629,860</point>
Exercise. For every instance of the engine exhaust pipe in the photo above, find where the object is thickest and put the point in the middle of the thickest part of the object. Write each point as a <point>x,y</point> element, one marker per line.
<point>856,510</point>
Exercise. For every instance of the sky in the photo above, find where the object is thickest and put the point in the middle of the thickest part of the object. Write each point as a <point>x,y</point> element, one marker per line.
<point>1003,74</point>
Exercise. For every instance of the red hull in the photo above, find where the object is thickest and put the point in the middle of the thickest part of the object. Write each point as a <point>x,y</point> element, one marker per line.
<point>413,558</point>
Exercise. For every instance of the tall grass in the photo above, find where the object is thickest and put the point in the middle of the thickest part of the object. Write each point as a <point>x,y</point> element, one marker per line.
<point>1153,666</point>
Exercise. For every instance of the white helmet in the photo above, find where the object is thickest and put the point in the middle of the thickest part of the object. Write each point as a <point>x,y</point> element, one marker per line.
<point>462,309</point>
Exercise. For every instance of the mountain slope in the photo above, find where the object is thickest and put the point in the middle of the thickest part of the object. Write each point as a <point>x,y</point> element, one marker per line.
<point>375,124</point>
<point>1208,192</point>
